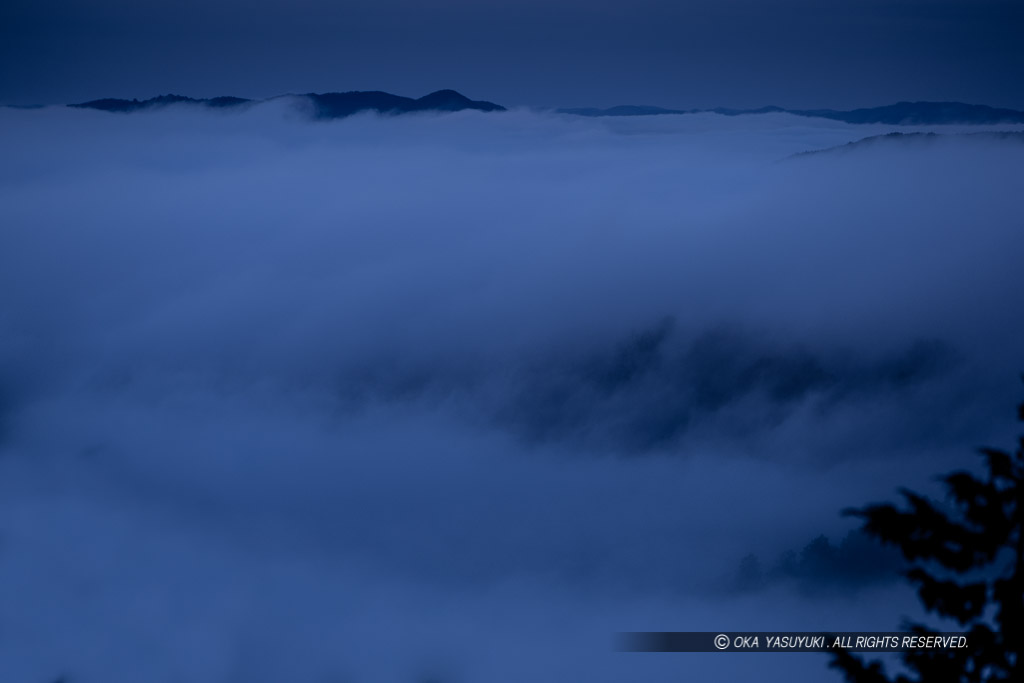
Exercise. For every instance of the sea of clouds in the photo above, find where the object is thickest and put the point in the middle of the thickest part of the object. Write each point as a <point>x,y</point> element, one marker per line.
<point>455,398</point>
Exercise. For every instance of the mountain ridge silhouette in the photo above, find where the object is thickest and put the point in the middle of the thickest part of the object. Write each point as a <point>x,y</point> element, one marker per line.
<point>900,113</point>
<point>329,105</point>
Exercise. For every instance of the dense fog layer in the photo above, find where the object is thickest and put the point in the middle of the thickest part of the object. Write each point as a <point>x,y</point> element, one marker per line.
<point>457,397</point>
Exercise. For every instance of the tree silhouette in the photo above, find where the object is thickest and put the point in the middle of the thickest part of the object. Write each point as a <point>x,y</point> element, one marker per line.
<point>966,562</point>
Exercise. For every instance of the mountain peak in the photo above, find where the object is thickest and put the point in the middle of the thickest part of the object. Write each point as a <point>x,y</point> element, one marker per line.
<point>450,100</point>
<point>447,93</point>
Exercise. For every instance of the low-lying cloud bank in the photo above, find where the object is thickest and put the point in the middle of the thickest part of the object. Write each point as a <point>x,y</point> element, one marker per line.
<point>457,397</point>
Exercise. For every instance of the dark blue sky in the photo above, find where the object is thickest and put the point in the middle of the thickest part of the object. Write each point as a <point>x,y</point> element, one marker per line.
<point>797,53</point>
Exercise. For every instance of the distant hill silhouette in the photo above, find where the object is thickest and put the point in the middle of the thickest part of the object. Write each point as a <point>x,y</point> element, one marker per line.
<point>338,104</point>
<point>901,113</point>
<point>912,138</point>
<point>113,104</point>
<point>325,106</point>
<point>917,113</point>
<point>334,105</point>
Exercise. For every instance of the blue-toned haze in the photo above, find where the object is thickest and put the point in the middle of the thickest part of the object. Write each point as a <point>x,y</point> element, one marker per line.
<point>456,396</point>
